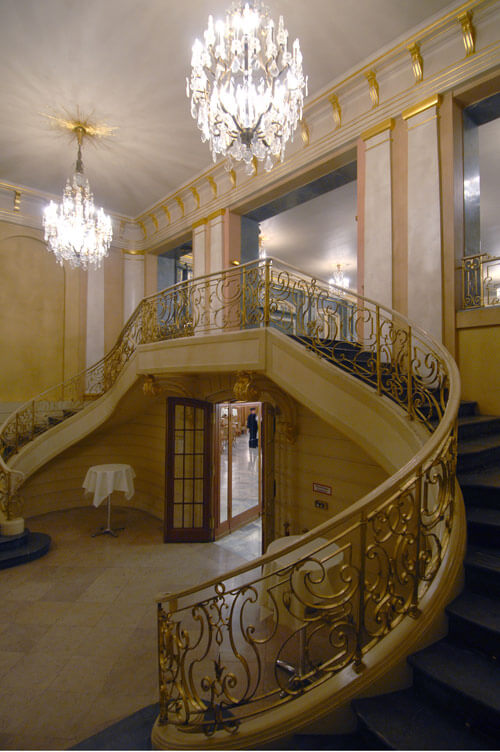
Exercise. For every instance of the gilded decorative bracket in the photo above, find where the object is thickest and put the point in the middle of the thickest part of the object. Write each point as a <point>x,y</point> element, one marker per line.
<point>180,203</point>
<point>143,228</point>
<point>167,213</point>
<point>213,185</point>
<point>196,195</point>
<point>232,177</point>
<point>255,166</point>
<point>154,220</point>
<point>336,110</point>
<point>468,32</point>
<point>17,201</point>
<point>244,388</point>
<point>373,87</point>
<point>304,132</point>
<point>151,386</point>
<point>417,62</point>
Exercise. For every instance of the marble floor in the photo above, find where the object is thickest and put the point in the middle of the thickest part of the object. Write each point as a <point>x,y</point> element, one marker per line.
<point>78,627</point>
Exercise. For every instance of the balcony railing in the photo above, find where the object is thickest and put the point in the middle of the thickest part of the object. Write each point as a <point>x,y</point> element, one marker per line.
<point>480,281</point>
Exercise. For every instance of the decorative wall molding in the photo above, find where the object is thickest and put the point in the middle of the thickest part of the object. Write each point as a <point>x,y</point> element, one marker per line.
<point>459,45</point>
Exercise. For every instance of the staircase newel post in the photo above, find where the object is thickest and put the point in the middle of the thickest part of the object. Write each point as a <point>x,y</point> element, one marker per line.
<point>379,372</point>
<point>410,376</point>
<point>359,666</point>
<point>267,293</point>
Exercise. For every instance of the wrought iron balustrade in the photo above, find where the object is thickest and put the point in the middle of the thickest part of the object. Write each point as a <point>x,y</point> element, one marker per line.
<point>480,281</point>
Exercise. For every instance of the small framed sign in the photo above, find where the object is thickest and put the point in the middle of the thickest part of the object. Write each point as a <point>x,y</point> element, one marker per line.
<point>320,488</point>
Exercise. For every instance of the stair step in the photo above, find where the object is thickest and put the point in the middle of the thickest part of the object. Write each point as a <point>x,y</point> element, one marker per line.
<point>478,452</point>
<point>321,741</point>
<point>459,680</point>
<point>471,426</point>
<point>403,720</point>
<point>483,525</point>
<point>8,542</point>
<point>467,407</point>
<point>482,487</point>
<point>474,620</point>
<point>482,570</point>
<point>37,545</point>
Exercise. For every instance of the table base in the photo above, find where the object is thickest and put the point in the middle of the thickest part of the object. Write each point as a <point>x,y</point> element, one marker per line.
<point>108,530</point>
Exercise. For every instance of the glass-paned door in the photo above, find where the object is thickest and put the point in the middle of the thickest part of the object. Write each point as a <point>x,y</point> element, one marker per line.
<point>188,471</point>
<point>238,455</point>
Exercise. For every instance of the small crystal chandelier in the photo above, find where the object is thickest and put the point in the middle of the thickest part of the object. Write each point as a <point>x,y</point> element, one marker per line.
<point>74,230</point>
<point>247,89</point>
<point>339,279</point>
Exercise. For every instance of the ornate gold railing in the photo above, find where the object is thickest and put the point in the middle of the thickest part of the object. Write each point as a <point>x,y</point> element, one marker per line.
<point>480,281</point>
<point>263,634</point>
<point>225,646</point>
<point>372,343</point>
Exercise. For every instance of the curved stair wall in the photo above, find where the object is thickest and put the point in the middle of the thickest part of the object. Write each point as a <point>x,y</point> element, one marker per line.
<point>372,583</point>
<point>319,452</point>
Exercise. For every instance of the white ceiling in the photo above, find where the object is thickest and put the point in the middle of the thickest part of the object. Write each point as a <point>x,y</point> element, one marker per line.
<point>125,62</point>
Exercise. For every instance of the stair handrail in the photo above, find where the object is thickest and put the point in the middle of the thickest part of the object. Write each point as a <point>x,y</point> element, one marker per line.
<point>207,701</point>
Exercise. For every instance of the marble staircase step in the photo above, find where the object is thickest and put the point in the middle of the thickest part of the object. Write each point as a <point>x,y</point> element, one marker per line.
<point>482,570</point>
<point>467,407</point>
<point>404,720</point>
<point>472,426</point>
<point>460,681</point>
<point>481,487</point>
<point>36,545</point>
<point>474,621</point>
<point>478,452</point>
<point>483,525</point>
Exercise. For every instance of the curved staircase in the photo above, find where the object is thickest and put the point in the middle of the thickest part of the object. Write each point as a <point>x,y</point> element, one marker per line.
<point>375,579</point>
<point>455,699</point>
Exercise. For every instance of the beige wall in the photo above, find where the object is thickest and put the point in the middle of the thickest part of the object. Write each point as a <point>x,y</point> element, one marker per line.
<point>321,454</point>
<point>478,355</point>
<point>139,442</point>
<point>41,332</point>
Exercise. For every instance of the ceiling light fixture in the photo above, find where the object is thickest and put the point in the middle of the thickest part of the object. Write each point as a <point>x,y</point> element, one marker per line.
<point>247,89</point>
<point>339,279</point>
<point>74,230</point>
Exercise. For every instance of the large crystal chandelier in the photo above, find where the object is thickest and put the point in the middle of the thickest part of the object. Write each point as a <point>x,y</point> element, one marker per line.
<point>74,230</point>
<point>247,89</point>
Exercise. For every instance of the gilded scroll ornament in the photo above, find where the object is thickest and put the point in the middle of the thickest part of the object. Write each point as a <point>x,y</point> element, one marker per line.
<point>151,386</point>
<point>244,389</point>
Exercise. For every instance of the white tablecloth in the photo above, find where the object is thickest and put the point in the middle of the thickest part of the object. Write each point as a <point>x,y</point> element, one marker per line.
<point>104,479</point>
<point>304,590</point>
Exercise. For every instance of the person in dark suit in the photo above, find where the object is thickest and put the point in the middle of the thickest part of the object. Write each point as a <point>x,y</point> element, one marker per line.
<point>253,427</point>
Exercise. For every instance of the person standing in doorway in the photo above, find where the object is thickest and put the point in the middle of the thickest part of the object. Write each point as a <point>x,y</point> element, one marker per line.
<point>253,427</point>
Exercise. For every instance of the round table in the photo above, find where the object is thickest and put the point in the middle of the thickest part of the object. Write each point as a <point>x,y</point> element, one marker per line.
<point>102,480</point>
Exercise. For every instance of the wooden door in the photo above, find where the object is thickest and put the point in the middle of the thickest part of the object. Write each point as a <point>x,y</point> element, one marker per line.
<point>268,426</point>
<point>188,501</point>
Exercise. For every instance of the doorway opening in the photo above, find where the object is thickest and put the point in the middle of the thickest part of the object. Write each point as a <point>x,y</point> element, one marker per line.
<point>238,465</point>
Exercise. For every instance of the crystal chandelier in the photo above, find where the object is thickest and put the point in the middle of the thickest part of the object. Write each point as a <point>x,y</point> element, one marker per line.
<point>74,230</point>
<point>339,279</point>
<point>247,89</point>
